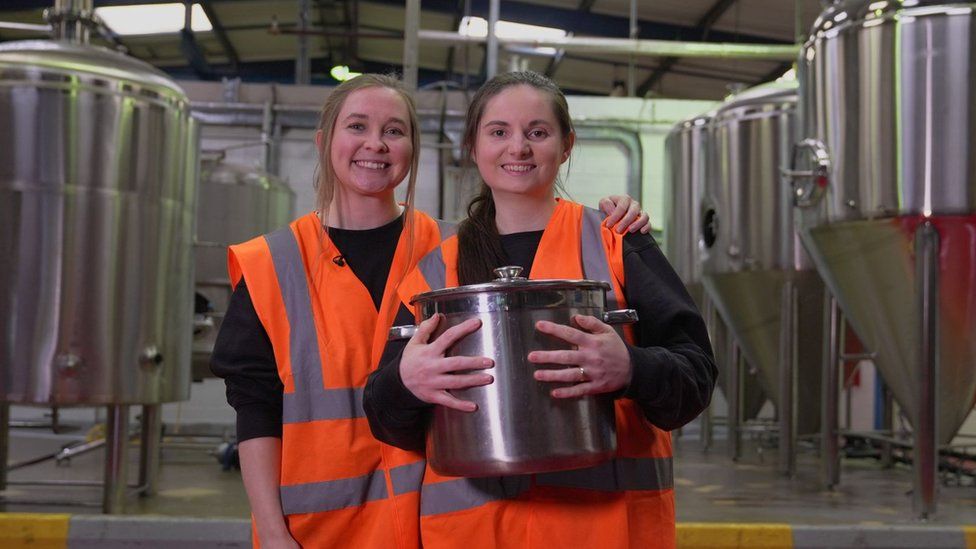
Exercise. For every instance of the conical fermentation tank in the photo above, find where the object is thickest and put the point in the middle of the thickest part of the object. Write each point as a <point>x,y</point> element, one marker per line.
<point>97,191</point>
<point>753,266</point>
<point>236,203</point>
<point>889,131</point>
<point>686,171</point>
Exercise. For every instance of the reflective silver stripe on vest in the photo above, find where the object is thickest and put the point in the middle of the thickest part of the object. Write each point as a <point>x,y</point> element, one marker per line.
<point>596,264</point>
<point>317,497</point>
<point>616,475</point>
<point>407,478</point>
<point>468,493</point>
<point>432,265</point>
<point>310,401</point>
<point>446,228</point>
<point>433,268</point>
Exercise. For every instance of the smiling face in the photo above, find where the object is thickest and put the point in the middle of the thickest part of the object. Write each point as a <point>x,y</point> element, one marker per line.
<point>519,144</point>
<point>371,148</point>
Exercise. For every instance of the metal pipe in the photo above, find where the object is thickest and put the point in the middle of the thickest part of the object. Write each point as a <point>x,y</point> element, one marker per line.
<point>887,423</point>
<point>630,141</point>
<point>116,462</point>
<point>705,435</point>
<point>188,15</point>
<point>4,442</point>
<point>267,125</point>
<point>787,379</point>
<point>303,66</point>
<point>830,443</point>
<point>151,432</point>
<point>70,20</point>
<point>25,27</point>
<point>411,45</point>
<point>631,75</point>
<point>491,54</point>
<point>734,400</point>
<point>926,419</point>
<point>626,46</point>
<point>465,77</point>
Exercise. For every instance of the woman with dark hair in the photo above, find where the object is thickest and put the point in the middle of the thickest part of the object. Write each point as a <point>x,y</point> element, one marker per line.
<point>307,323</point>
<point>518,134</point>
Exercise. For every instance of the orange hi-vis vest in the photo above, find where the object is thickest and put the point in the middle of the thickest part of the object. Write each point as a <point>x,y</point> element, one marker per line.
<point>627,502</point>
<point>339,486</point>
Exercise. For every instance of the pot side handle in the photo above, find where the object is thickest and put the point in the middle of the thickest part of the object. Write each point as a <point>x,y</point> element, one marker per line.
<point>620,316</point>
<point>401,332</point>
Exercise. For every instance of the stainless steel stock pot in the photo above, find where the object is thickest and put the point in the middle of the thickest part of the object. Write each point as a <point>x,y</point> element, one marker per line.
<point>519,427</point>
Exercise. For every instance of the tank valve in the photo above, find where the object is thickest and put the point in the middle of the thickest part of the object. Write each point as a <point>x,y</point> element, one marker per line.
<point>151,357</point>
<point>67,362</point>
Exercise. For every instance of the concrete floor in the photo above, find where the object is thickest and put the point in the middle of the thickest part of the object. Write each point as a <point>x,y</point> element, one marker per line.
<point>709,486</point>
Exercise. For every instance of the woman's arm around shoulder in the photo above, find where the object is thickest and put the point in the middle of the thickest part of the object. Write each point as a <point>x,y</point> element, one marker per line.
<point>674,369</point>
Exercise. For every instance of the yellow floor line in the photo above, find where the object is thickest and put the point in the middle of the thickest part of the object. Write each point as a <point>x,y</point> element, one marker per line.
<point>33,531</point>
<point>703,535</point>
<point>970,532</point>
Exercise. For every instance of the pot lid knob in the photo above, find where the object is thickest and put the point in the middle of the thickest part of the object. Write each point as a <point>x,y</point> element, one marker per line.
<point>509,272</point>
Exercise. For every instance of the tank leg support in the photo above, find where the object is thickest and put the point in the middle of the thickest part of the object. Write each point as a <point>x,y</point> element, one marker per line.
<point>735,400</point>
<point>926,419</point>
<point>149,448</point>
<point>706,418</point>
<point>787,380</point>
<point>829,421</point>
<point>888,424</point>
<point>116,462</point>
<point>4,442</point>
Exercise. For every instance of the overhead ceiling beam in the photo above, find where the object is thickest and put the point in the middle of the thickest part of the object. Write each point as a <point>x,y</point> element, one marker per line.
<point>221,33</point>
<point>588,24</point>
<point>702,28</point>
<point>584,7</point>
<point>452,52</point>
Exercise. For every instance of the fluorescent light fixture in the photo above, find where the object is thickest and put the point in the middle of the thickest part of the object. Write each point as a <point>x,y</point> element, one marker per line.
<point>152,18</point>
<point>477,27</point>
<point>342,73</point>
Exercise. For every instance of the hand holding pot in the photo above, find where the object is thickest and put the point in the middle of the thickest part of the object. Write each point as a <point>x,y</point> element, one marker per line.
<point>429,374</point>
<point>600,362</point>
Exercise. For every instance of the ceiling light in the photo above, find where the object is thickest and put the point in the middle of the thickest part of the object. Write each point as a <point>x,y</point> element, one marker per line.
<point>152,18</point>
<point>342,73</point>
<point>477,27</point>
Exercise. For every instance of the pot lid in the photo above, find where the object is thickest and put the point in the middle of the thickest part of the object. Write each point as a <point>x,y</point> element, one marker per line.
<point>510,279</point>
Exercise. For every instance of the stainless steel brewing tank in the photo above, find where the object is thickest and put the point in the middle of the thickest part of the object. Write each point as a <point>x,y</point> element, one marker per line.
<point>519,427</point>
<point>97,192</point>
<point>750,249</point>
<point>686,171</point>
<point>236,203</point>
<point>888,107</point>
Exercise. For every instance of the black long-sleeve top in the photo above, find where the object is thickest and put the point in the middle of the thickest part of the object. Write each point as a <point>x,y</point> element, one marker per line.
<point>243,355</point>
<point>674,370</point>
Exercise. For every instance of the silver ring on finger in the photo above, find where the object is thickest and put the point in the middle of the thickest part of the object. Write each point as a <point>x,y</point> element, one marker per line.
<point>582,374</point>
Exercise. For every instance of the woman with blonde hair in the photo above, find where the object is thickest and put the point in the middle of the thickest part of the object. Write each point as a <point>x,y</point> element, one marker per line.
<point>306,325</point>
